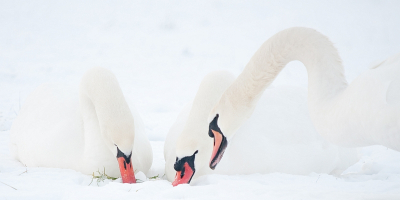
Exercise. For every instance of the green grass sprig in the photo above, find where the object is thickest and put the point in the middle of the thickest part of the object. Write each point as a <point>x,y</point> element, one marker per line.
<point>101,177</point>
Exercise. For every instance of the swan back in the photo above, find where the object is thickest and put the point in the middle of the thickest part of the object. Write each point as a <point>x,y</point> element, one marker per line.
<point>63,128</point>
<point>46,111</point>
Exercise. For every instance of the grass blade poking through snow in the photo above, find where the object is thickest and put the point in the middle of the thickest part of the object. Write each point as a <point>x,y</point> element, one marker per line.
<point>156,177</point>
<point>101,177</point>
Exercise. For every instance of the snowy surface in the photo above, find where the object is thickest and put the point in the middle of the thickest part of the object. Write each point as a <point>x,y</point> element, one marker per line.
<point>160,51</point>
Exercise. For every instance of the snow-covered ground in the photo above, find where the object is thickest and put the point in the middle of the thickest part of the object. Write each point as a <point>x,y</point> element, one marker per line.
<point>160,51</point>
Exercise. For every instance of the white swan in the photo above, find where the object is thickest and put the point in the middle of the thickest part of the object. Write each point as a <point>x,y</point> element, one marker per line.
<point>261,145</point>
<point>365,112</point>
<point>57,129</point>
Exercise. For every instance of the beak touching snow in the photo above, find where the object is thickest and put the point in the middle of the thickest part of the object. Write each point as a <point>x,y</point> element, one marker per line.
<point>184,170</point>
<point>125,167</point>
<point>184,176</point>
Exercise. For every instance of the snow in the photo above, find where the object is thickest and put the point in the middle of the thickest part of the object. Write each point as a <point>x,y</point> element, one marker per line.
<point>160,51</point>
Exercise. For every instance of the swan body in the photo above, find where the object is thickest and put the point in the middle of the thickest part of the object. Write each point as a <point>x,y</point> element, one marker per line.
<point>365,112</point>
<point>85,129</point>
<point>278,137</point>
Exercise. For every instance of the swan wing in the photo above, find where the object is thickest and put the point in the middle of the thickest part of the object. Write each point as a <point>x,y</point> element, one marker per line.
<point>48,124</point>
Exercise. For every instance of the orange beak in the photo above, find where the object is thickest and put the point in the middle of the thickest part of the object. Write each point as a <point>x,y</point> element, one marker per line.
<point>185,177</point>
<point>220,144</point>
<point>126,170</point>
<point>217,143</point>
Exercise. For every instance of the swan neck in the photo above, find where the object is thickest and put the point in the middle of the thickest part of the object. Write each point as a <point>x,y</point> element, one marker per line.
<point>192,137</point>
<point>102,101</point>
<point>324,67</point>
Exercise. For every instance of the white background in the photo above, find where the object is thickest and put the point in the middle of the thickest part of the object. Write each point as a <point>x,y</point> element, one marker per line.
<point>160,51</point>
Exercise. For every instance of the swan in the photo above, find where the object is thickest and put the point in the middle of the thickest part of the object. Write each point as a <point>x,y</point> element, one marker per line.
<point>366,112</point>
<point>57,129</point>
<point>261,145</point>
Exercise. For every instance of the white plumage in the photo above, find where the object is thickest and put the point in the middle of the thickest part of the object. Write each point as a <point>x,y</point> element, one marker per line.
<point>366,112</point>
<point>63,127</point>
<point>262,144</point>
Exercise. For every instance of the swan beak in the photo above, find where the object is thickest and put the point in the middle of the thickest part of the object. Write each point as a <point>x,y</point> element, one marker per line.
<point>184,176</point>
<point>125,167</point>
<point>220,144</point>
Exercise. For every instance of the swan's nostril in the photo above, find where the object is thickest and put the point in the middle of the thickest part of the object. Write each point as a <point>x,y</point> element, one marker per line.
<point>183,172</point>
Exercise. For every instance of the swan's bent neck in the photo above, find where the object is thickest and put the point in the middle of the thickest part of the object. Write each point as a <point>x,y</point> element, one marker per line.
<point>103,105</point>
<point>192,137</point>
<point>324,67</point>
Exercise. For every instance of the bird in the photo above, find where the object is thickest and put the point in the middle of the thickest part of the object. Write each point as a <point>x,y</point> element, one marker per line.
<point>87,129</point>
<point>365,112</point>
<point>261,145</point>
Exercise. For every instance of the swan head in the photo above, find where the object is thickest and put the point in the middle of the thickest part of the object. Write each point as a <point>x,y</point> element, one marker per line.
<point>192,152</point>
<point>120,142</point>
<point>224,120</point>
<point>125,166</point>
<point>220,142</point>
<point>185,169</point>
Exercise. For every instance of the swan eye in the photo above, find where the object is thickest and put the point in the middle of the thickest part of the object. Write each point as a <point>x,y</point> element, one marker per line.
<point>115,145</point>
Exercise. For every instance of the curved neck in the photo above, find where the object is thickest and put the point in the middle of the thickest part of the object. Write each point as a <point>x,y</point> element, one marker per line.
<point>192,137</point>
<point>103,105</point>
<point>325,70</point>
